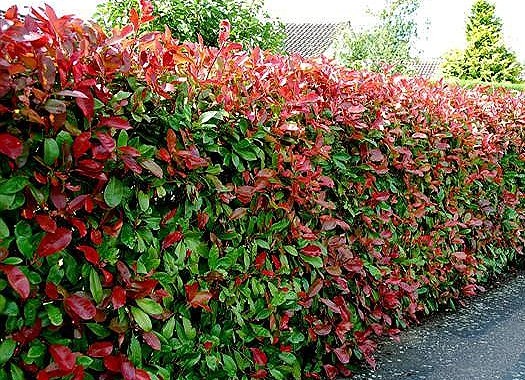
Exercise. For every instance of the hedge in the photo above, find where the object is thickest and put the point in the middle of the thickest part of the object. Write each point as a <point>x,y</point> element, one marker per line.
<point>175,211</point>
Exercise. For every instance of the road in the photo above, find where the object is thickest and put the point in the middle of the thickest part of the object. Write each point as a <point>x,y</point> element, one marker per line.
<point>483,341</point>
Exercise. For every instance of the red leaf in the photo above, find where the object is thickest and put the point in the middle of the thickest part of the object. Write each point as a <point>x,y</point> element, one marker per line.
<point>63,357</point>
<point>152,340</point>
<point>100,349</point>
<point>224,31</point>
<point>87,105</point>
<point>90,254</point>
<point>342,354</point>
<point>81,144</point>
<point>140,374</point>
<point>171,239</point>
<point>259,357</point>
<point>132,164</point>
<point>238,213</point>
<point>28,334</point>
<point>74,94</point>
<point>311,250</point>
<point>80,307</point>
<point>46,223</point>
<point>260,374</point>
<point>118,297</point>
<point>315,288</point>
<point>129,150</point>
<point>376,155</point>
<point>107,141</point>
<point>114,122</point>
<point>197,298</point>
<point>260,259</point>
<point>54,242</point>
<point>128,370</point>
<point>113,363</point>
<point>331,371</point>
<point>245,194</point>
<point>10,146</point>
<point>18,281</point>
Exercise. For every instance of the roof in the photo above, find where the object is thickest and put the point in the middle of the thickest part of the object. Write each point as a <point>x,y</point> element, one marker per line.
<point>310,39</point>
<point>428,69</point>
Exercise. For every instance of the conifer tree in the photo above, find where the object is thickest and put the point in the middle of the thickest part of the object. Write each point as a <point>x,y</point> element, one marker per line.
<point>486,57</point>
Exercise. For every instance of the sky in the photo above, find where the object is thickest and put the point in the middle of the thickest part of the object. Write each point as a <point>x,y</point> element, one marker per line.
<point>441,22</point>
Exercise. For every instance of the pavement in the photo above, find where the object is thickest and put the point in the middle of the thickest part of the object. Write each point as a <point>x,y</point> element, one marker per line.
<point>485,340</point>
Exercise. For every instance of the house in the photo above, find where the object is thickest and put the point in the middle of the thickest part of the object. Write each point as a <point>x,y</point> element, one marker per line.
<point>312,39</point>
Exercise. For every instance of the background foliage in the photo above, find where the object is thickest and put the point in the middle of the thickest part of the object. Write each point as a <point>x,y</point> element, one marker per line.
<point>180,211</point>
<point>389,43</point>
<point>485,58</point>
<point>187,19</point>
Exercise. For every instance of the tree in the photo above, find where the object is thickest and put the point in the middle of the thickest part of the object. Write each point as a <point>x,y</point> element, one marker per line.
<point>188,19</point>
<point>389,42</point>
<point>485,57</point>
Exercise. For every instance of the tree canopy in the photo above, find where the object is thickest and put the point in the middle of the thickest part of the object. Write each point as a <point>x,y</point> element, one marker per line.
<point>188,19</point>
<point>388,43</point>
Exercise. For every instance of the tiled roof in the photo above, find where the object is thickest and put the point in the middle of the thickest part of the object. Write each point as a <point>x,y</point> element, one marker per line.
<point>310,40</point>
<point>428,69</point>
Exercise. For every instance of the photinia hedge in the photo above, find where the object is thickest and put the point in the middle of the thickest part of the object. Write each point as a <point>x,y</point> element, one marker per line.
<point>175,211</point>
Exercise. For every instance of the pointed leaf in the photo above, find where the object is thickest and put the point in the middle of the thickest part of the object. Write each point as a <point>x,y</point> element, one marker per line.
<point>54,242</point>
<point>10,146</point>
<point>18,281</point>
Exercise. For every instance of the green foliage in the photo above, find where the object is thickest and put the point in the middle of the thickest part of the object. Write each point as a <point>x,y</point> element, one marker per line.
<point>389,43</point>
<point>187,19</point>
<point>180,211</point>
<point>485,58</point>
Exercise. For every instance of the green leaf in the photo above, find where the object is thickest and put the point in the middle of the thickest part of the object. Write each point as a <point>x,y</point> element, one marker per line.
<point>55,315</point>
<point>207,116</point>
<point>51,151</point>
<point>114,192</point>
<point>7,348</point>
<point>16,373</point>
<point>4,229</point>
<point>95,286</point>
<point>316,262</point>
<point>13,185</point>
<point>99,330</point>
<point>135,351</point>
<point>149,306</point>
<point>12,261</point>
<point>84,361</point>
<point>122,139</point>
<point>168,328</point>
<point>143,199</point>
<point>141,318</point>
<point>229,365</point>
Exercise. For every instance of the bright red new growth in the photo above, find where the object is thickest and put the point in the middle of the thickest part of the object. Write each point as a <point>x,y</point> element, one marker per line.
<point>18,280</point>
<point>54,242</point>
<point>259,357</point>
<point>63,357</point>
<point>80,307</point>
<point>197,298</point>
<point>318,207</point>
<point>10,146</point>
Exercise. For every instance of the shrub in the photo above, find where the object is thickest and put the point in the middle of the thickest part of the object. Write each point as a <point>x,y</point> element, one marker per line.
<point>181,211</point>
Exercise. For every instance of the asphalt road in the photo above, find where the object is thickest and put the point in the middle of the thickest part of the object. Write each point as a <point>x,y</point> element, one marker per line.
<point>483,341</point>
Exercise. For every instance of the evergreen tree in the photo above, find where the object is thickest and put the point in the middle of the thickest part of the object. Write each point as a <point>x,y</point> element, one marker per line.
<point>485,57</point>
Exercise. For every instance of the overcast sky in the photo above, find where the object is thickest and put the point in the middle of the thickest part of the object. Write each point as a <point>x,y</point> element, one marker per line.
<point>442,22</point>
